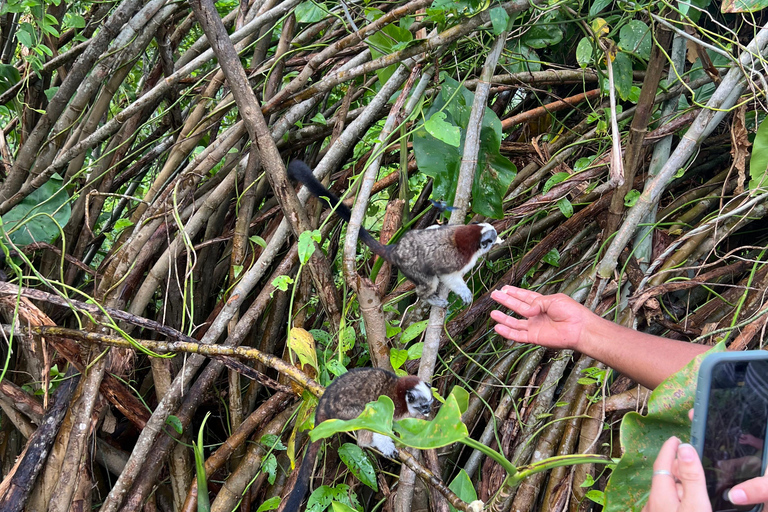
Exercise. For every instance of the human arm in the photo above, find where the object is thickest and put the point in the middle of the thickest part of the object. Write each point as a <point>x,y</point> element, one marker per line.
<point>557,321</point>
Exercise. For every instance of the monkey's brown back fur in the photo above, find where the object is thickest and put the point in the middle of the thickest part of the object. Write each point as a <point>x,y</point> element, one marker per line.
<point>347,396</point>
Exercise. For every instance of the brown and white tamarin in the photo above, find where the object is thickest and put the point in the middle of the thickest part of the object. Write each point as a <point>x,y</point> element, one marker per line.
<point>425,256</point>
<point>346,398</point>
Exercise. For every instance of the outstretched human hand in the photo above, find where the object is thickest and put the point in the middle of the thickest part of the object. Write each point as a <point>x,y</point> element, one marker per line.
<point>555,321</point>
<point>678,483</point>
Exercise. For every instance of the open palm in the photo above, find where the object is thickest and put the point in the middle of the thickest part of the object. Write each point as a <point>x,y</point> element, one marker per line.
<point>554,321</point>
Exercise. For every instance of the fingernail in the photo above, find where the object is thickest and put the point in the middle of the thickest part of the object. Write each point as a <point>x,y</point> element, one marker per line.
<point>737,497</point>
<point>686,452</point>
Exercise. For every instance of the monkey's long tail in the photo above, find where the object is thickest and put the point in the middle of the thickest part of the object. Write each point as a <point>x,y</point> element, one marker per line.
<point>294,500</point>
<point>300,171</point>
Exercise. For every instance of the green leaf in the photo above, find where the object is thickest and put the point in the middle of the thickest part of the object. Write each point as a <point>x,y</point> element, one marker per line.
<point>631,198</point>
<point>565,207</point>
<point>269,466</point>
<point>642,436</point>
<point>596,496</point>
<point>556,178</point>
<point>74,20</point>
<point>359,464</point>
<point>25,35</point>
<point>635,37</point>
<point>462,398</point>
<point>258,241</point>
<point>307,241</point>
<point>388,39</point>
<point>341,507</point>
<point>319,118</point>
<point>270,504</point>
<point>347,338</point>
<point>758,163</point>
<point>446,132</point>
<point>622,75</point>
<point>445,429</point>
<point>499,20</point>
<point>552,258</point>
<point>542,36</point>
<point>415,350</point>
<point>310,12</point>
<point>413,330</point>
<point>335,367</point>
<point>322,497</point>
<point>589,481</point>
<point>598,6</point>
<point>282,282</point>
<point>441,161</point>
<point>50,92</point>
<point>463,487</point>
<point>397,357</point>
<point>584,52</point>
<point>272,442</point>
<point>9,76</point>
<point>175,423</point>
<point>38,216</point>
<point>321,337</point>
<point>377,417</point>
<point>520,58</point>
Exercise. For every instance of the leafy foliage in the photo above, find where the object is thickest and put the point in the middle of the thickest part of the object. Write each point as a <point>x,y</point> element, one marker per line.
<point>439,150</point>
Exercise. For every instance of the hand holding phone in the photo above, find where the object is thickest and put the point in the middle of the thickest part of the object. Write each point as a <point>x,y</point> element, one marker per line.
<point>730,423</point>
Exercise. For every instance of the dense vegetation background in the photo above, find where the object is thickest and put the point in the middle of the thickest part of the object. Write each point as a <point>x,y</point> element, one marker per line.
<point>145,208</point>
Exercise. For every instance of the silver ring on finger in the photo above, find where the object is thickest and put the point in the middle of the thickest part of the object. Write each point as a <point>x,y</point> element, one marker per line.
<point>663,472</point>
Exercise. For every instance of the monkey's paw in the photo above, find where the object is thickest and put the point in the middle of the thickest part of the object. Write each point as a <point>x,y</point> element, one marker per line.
<point>437,301</point>
<point>385,445</point>
<point>465,296</point>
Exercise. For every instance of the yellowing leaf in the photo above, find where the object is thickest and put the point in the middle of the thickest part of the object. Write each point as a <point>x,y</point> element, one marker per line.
<point>600,27</point>
<point>303,345</point>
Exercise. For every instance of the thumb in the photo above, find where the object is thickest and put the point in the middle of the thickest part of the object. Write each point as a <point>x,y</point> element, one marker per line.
<point>691,476</point>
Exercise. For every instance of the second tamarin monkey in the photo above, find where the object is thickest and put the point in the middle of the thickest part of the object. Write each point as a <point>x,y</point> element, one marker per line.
<point>346,398</point>
<point>425,256</point>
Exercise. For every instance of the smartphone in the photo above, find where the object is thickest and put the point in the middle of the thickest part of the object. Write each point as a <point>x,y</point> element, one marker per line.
<point>730,422</point>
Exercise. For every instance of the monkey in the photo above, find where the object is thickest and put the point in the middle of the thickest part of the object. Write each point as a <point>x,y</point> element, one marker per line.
<point>425,256</point>
<point>346,398</point>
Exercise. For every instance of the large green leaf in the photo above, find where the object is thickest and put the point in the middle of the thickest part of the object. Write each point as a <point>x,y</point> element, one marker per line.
<point>441,160</point>
<point>377,417</point>
<point>445,429</point>
<point>642,437</point>
<point>758,163</point>
<point>37,218</point>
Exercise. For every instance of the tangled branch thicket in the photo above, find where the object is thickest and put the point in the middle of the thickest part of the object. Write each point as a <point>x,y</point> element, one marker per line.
<point>144,197</point>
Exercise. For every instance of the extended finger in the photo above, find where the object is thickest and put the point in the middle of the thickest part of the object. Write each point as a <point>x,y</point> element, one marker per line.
<point>521,293</point>
<point>750,492</point>
<point>691,475</point>
<point>511,334</point>
<point>515,304</point>
<point>514,323</point>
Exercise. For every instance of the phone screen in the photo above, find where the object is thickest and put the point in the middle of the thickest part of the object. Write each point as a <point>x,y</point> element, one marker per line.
<point>737,420</point>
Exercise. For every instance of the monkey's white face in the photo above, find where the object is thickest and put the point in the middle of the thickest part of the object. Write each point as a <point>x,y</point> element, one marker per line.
<point>419,400</point>
<point>488,238</point>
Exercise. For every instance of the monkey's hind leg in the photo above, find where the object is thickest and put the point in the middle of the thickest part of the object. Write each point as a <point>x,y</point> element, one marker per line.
<point>368,439</point>
<point>455,282</point>
<point>426,289</point>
